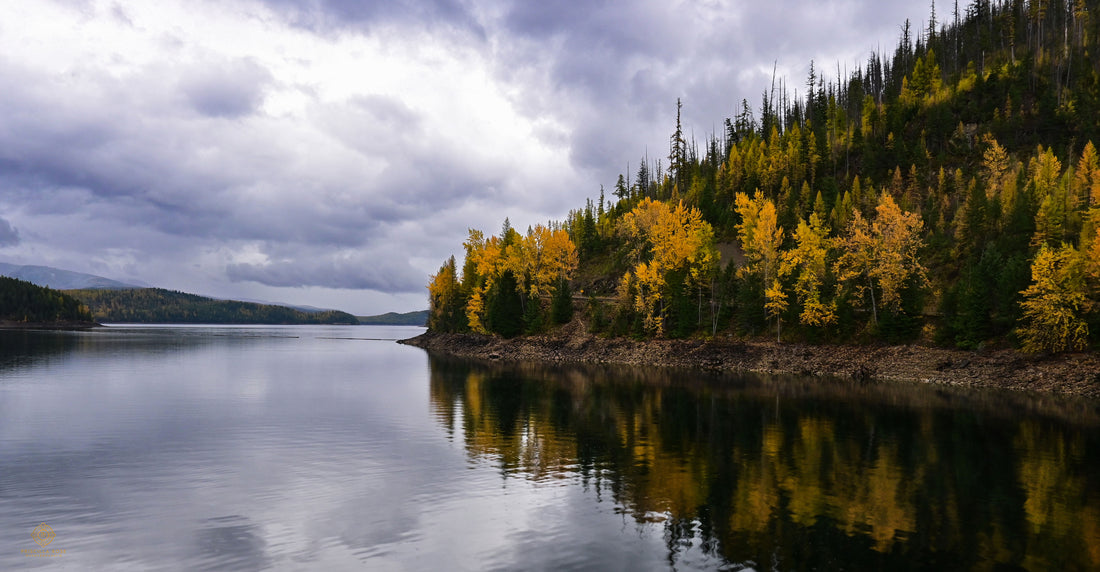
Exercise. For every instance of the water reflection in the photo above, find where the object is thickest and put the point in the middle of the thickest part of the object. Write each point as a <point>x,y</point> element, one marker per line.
<point>773,473</point>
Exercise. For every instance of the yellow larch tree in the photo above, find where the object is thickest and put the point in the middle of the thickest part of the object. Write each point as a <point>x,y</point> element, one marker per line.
<point>775,303</point>
<point>665,238</point>
<point>445,300</point>
<point>1056,303</point>
<point>881,255</point>
<point>484,256</point>
<point>898,237</point>
<point>1086,187</point>
<point>760,234</point>
<point>543,257</point>
<point>809,262</point>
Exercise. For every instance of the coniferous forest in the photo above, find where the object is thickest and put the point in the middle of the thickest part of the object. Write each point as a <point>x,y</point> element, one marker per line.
<point>947,191</point>
<point>160,306</point>
<point>23,302</point>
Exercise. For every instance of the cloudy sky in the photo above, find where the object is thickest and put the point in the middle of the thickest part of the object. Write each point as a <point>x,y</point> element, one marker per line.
<point>334,152</point>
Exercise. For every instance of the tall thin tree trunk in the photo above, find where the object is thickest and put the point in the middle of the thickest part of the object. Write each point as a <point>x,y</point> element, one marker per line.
<point>874,309</point>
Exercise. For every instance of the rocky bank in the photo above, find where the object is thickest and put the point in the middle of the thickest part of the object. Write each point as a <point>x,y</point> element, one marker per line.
<point>1070,374</point>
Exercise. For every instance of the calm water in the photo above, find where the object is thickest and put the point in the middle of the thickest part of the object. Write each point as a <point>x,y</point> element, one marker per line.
<point>326,448</point>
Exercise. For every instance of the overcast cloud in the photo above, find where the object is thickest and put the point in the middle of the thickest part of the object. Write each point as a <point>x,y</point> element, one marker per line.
<point>334,152</point>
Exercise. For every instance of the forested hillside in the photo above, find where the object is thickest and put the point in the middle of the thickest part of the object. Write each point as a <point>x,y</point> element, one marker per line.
<point>159,306</point>
<point>948,191</point>
<point>418,318</point>
<point>24,302</point>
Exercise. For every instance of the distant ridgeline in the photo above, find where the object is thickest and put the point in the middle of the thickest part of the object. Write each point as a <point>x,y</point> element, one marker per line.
<point>156,305</point>
<point>22,301</point>
<point>948,192</point>
<point>394,319</point>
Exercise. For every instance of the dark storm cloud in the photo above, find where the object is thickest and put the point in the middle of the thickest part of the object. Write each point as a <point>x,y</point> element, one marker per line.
<point>209,146</point>
<point>229,89</point>
<point>8,235</point>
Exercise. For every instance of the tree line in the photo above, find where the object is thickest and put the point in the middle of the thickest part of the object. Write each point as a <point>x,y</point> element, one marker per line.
<point>947,192</point>
<point>159,306</point>
<point>22,301</point>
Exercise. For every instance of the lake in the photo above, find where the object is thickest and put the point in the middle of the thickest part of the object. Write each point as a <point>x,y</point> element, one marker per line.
<point>333,448</point>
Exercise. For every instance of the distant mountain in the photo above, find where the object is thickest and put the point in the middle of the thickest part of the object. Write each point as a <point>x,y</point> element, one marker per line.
<point>159,306</point>
<point>394,319</point>
<point>60,279</point>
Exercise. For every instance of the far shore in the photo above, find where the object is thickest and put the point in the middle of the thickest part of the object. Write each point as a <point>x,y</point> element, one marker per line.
<point>60,325</point>
<point>1067,374</point>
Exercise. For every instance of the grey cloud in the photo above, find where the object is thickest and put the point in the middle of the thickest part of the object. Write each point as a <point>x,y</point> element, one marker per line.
<point>325,15</point>
<point>8,235</point>
<point>230,89</point>
<point>612,70</point>
<point>375,125</point>
<point>151,154</point>
<point>378,274</point>
<point>126,158</point>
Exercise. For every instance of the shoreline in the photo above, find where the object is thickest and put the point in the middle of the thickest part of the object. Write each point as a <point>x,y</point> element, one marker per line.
<point>63,325</point>
<point>1075,374</point>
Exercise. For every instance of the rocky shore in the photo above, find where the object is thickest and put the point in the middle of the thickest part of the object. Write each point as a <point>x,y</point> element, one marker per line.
<point>1069,374</point>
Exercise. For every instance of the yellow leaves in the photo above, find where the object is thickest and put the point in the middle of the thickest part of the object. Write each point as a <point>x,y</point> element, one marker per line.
<point>809,260</point>
<point>538,259</point>
<point>898,240</point>
<point>760,234</point>
<point>1055,305</point>
<point>475,311</point>
<point>775,303</point>
<point>816,313</point>
<point>1044,171</point>
<point>650,281</point>
<point>884,253</point>
<point>544,256</point>
<point>995,164</point>
<point>666,238</point>
<point>1088,175</point>
<point>444,297</point>
<point>1092,256</point>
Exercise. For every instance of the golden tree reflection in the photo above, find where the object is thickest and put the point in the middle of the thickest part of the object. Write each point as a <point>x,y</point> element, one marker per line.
<point>882,475</point>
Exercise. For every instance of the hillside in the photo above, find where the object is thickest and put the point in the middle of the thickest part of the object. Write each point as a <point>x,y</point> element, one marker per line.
<point>394,319</point>
<point>947,192</point>
<point>159,306</point>
<point>24,303</point>
<point>59,279</point>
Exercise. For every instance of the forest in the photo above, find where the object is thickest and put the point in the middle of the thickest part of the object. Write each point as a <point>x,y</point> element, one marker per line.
<point>946,192</point>
<point>21,301</point>
<point>159,306</point>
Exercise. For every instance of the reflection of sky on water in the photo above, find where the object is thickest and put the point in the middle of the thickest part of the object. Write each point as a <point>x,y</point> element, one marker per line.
<point>152,451</point>
<point>280,448</point>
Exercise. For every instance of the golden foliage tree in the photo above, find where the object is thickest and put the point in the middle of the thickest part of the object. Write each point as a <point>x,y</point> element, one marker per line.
<point>760,234</point>
<point>775,303</point>
<point>446,305</point>
<point>1055,305</point>
<point>809,262</point>
<point>665,238</point>
<point>881,255</point>
<point>538,260</point>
